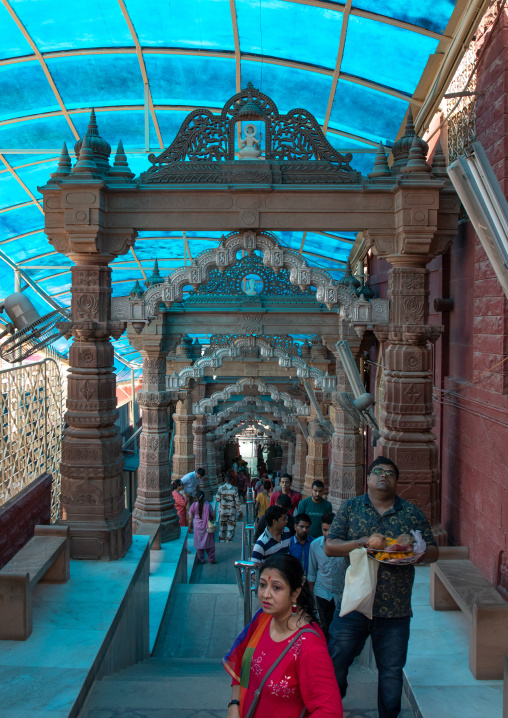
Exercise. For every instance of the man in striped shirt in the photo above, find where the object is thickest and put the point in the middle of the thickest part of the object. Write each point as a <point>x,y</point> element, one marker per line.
<point>275,538</point>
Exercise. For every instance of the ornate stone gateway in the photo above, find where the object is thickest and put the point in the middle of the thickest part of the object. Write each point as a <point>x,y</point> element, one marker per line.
<point>93,212</point>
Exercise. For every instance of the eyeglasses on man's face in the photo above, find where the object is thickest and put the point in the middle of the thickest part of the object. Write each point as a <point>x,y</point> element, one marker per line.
<point>389,473</point>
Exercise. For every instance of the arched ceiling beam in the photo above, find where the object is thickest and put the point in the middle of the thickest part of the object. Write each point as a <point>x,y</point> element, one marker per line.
<point>142,67</point>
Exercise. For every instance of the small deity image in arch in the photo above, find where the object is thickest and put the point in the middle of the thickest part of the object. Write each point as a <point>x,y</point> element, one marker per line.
<point>252,284</point>
<point>250,143</point>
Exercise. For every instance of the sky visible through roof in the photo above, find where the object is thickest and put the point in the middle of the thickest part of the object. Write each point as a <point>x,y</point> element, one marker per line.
<point>354,65</point>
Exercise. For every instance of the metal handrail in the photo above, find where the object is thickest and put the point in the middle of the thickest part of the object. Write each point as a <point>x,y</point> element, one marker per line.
<point>246,571</point>
<point>132,437</point>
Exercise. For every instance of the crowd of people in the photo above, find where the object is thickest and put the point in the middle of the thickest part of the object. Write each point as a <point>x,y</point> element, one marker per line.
<point>294,656</point>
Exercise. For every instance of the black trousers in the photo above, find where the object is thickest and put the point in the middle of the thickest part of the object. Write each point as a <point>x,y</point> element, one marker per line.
<point>326,609</point>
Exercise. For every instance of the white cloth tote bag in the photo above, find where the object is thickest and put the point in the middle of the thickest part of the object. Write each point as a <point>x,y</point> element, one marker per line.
<point>360,584</point>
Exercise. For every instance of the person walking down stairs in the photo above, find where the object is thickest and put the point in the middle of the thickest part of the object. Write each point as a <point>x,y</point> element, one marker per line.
<point>228,505</point>
<point>201,518</point>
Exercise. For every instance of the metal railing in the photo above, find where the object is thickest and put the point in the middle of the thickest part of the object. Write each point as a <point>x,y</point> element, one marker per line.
<point>246,578</point>
<point>31,423</point>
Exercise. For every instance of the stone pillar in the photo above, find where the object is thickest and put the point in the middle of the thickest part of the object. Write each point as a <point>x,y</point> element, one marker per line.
<point>407,409</point>
<point>317,462</point>
<point>300,461</point>
<point>291,457</point>
<point>284,460</point>
<point>92,500</point>
<point>200,431</point>
<point>183,456</point>
<point>212,462</point>
<point>347,451</point>
<point>154,501</point>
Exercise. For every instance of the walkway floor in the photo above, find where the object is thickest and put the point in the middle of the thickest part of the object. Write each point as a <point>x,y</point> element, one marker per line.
<point>184,678</point>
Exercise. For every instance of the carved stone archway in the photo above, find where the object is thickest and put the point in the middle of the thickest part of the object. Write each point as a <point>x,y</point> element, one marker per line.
<point>322,380</point>
<point>93,213</point>
<point>297,406</point>
<point>254,403</point>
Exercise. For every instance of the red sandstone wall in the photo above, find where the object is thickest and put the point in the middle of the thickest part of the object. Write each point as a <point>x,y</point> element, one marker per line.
<point>473,419</point>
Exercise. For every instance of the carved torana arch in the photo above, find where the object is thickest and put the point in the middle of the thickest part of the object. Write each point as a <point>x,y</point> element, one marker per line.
<point>276,256</point>
<point>299,407</point>
<point>249,403</point>
<point>321,379</point>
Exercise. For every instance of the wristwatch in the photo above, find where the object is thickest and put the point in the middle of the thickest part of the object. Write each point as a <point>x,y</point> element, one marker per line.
<point>234,702</point>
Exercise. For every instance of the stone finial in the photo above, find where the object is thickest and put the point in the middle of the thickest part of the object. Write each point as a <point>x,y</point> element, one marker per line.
<point>136,291</point>
<point>348,280</point>
<point>416,161</point>
<point>402,146</point>
<point>439,161</point>
<point>155,277</point>
<point>64,165</point>
<point>101,149</point>
<point>85,166</point>
<point>381,168</point>
<point>120,169</point>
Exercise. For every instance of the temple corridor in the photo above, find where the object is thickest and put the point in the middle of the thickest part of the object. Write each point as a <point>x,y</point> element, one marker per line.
<point>184,677</point>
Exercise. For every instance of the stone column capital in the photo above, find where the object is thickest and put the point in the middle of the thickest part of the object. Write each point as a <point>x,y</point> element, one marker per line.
<point>153,399</point>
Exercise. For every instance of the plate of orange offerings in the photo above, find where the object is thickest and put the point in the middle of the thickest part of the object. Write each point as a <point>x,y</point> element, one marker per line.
<point>397,551</point>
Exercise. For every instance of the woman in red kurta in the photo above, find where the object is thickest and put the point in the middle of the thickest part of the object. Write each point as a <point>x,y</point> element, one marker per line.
<point>181,502</point>
<point>303,683</point>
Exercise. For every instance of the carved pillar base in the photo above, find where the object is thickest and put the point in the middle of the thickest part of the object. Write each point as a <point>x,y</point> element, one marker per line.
<point>300,461</point>
<point>154,501</point>
<point>184,460</point>
<point>93,493</point>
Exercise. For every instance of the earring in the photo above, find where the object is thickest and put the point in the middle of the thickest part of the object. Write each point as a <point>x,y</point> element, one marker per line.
<point>294,608</point>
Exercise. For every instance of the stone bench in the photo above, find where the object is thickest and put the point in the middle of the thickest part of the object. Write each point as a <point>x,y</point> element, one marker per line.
<point>456,584</point>
<point>45,558</point>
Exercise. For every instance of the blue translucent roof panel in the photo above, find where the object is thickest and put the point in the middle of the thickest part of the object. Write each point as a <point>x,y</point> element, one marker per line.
<point>290,87</point>
<point>19,97</point>
<point>362,111</point>
<point>13,43</point>
<point>45,132</point>
<point>20,250</point>
<point>430,14</point>
<point>204,24</point>
<point>70,25</point>
<point>282,29</point>
<point>179,79</point>
<point>19,221</point>
<point>404,54</point>
<point>11,192</point>
<point>36,176</point>
<point>103,80</point>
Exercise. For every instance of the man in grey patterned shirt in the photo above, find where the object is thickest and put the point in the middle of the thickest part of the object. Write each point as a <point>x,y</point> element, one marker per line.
<point>228,506</point>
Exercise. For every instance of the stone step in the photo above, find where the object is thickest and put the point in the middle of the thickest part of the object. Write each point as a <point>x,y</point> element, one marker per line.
<point>196,687</point>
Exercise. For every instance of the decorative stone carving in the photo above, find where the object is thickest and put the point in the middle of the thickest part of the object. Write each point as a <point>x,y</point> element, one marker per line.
<point>183,456</point>
<point>241,387</point>
<point>204,148</point>
<point>154,500</point>
<point>255,403</point>
<point>321,379</point>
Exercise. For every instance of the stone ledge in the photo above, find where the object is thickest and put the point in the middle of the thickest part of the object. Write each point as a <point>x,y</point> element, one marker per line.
<point>96,624</point>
